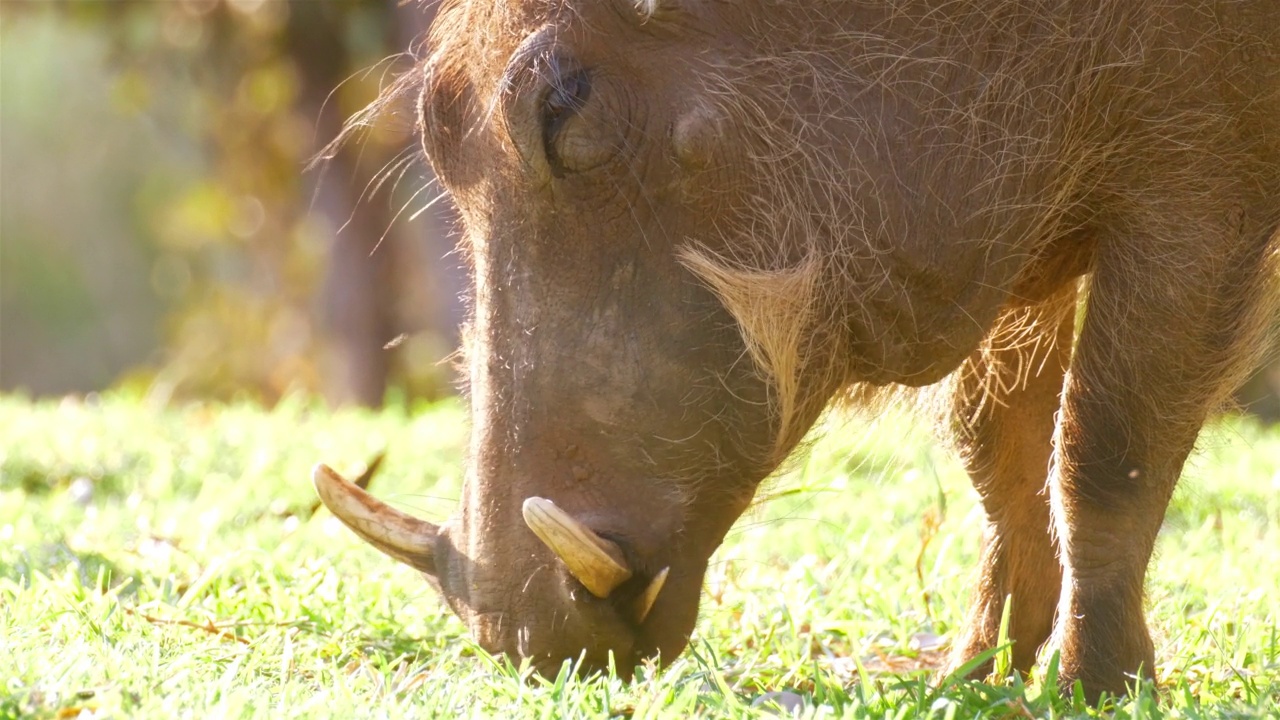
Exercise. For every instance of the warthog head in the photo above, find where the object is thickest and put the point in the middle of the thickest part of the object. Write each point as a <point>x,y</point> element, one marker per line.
<point>674,273</point>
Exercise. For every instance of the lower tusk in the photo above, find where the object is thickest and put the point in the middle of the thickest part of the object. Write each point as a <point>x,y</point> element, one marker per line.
<point>597,563</point>
<point>645,603</point>
<point>403,537</point>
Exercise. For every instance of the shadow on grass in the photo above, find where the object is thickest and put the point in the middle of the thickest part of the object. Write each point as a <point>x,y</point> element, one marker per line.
<point>93,569</point>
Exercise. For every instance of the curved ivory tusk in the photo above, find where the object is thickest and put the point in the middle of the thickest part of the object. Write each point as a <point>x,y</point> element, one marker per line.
<point>645,602</point>
<point>596,563</point>
<point>403,537</point>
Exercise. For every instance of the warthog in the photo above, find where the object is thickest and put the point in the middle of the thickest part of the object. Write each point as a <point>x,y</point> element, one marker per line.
<point>696,224</point>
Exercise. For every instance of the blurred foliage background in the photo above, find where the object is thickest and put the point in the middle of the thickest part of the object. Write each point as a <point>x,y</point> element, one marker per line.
<point>158,229</point>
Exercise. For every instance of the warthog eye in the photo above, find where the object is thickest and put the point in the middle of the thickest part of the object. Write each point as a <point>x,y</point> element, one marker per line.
<point>567,94</point>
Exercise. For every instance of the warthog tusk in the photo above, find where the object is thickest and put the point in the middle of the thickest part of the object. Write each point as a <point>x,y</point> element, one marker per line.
<point>403,537</point>
<point>645,603</point>
<point>596,563</point>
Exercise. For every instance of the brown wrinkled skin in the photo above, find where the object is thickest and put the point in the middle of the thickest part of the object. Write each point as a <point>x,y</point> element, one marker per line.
<point>694,224</point>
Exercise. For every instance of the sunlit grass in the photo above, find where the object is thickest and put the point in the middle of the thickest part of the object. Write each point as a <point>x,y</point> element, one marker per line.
<point>167,563</point>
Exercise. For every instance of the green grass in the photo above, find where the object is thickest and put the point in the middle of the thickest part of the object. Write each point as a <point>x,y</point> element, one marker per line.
<point>167,563</point>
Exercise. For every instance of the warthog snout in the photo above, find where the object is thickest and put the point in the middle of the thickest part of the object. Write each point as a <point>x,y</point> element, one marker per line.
<point>585,561</point>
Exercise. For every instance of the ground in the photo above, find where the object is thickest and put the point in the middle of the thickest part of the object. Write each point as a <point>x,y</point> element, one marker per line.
<point>172,562</point>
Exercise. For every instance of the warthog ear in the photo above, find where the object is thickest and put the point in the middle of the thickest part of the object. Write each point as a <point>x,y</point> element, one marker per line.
<point>597,563</point>
<point>403,537</point>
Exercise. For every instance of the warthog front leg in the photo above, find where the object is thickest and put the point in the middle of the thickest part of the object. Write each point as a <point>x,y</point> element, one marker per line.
<point>1173,313</point>
<point>1005,403</point>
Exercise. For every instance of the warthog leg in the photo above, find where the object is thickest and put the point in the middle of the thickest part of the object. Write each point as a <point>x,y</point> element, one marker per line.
<point>1173,314</point>
<point>1004,407</point>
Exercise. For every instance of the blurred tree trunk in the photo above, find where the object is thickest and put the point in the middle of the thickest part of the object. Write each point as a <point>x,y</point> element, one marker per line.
<point>354,307</point>
<point>371,265</point>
